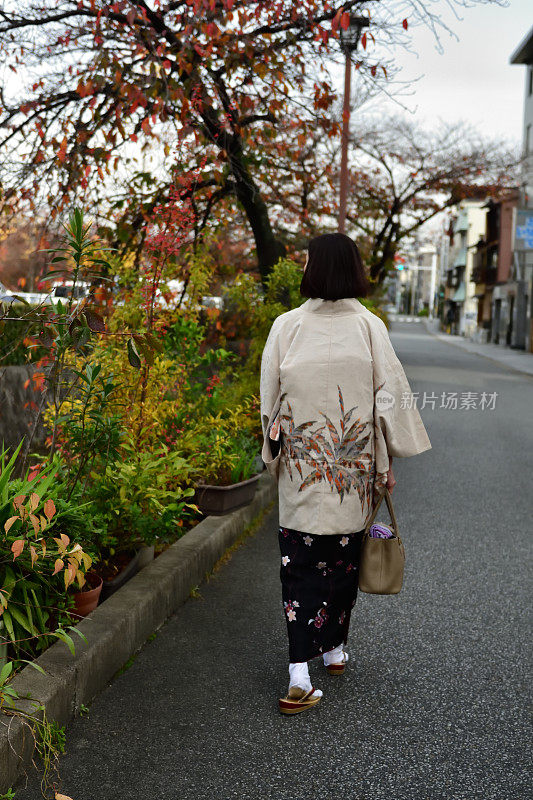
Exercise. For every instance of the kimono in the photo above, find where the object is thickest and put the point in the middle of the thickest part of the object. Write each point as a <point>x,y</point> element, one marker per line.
<point>333,385</point>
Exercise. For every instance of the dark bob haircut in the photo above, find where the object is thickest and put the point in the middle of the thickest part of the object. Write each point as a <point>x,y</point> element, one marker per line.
<point>334,269</point>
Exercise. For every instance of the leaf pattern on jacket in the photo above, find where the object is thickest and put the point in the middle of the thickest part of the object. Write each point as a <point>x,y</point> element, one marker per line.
<point>335,455</point>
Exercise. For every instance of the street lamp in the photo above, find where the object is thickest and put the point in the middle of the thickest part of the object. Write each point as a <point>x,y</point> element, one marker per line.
<point>349,41</point>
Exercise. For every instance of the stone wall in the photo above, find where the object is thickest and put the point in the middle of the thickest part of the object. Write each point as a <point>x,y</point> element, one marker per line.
<point>17,415</point>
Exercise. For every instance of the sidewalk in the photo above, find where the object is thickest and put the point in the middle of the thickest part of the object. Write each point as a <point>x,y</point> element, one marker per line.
<point>517,360</point>
<point>434,702</point>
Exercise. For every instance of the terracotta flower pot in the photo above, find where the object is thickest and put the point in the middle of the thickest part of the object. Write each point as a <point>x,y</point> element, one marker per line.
<point>86,601</point>
<point>218,500</point>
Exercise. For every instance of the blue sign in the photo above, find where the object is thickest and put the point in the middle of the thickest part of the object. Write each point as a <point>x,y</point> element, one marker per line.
<point>524,230</point>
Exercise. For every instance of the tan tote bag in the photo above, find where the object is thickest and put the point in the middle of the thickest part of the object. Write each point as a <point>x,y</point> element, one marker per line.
<point>382,560</point>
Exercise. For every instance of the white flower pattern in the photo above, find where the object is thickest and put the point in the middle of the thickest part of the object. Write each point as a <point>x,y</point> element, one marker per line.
<point>310,625</point>
<point>290,605</point>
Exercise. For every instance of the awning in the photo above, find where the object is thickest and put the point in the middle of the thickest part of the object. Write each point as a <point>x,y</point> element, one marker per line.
<point>461,222</point>
<point>460,258</point>
<point>460,293</point>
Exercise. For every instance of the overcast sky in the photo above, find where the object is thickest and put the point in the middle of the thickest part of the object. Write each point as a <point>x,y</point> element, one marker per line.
<point>472,78</point>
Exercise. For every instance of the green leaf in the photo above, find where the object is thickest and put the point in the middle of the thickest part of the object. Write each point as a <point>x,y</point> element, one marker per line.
<point>5,672</point>
<point>65,638</point>
<point>133,355</point>
<point>38,611</point>
<point>80,634</point>
<point>56,272</point>
<point>34,665</point>
<point>8,622</point>
<point>27,605</point>
<point>21,299</point>
<point>23,621</point>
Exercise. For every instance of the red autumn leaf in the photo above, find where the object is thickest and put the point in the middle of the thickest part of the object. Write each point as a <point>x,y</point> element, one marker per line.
<point>404,23</point>
<point>49,509</point>
<point>345,21</point>
<point>94,321</point>
<point>62,152</point>
<point>58,566</point>
<point>10,522</point>
<point>336,20</point>
<point>363,41</point>
<point>17,547</point>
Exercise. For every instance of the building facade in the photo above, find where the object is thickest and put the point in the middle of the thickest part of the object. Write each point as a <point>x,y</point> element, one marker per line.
<point>492,274</point>
<point>459,312</point>
<point>416,279</point>
<point>522,267</point>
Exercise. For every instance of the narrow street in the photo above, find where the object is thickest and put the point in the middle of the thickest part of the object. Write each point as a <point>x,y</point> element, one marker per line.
<point>434,701</point>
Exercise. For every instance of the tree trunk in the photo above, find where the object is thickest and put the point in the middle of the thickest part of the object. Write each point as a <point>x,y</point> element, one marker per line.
<point>269,249</point>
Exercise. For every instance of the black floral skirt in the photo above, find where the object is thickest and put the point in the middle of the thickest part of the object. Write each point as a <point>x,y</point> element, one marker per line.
<point>319,577</point>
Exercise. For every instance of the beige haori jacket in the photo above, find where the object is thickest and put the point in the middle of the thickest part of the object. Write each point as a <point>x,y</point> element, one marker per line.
<point>333,386</point>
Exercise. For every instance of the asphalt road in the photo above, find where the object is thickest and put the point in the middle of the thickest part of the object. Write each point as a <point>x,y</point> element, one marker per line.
<point>433,705</point>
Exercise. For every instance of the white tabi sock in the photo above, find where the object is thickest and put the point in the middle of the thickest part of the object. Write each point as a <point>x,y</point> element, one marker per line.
<point>336,656</point>
<point>299,676</point>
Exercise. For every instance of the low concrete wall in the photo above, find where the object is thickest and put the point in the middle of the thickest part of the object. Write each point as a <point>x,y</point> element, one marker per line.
<point>118,628</point>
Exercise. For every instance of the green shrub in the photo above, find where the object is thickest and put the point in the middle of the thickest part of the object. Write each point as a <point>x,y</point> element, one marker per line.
<point>15,345</point>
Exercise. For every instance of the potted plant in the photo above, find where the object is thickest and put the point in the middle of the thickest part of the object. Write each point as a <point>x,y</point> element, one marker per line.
<point>86,599</point>
<point>144,503</point>
<point>229,470</point>
<point>38,562</point>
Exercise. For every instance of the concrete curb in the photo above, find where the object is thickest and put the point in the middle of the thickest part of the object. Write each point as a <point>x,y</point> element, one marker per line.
<point>118,628</point>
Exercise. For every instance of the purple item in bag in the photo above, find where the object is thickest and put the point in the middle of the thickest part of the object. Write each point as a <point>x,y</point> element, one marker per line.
<point>380,532</point>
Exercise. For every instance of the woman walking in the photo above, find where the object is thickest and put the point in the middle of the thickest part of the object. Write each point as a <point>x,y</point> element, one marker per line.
<point>336,407</point>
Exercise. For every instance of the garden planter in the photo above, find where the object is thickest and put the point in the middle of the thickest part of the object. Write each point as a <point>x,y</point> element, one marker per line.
<point>146,554</point>
<point>140,558</point>
<point>86,601</point>
<point>219,500</point>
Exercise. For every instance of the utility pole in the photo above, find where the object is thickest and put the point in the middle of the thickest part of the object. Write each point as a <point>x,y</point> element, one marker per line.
<point>349,41</point>
<point>432,284</point>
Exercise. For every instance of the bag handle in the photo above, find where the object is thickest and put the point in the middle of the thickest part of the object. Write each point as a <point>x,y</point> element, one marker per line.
<point>385,494</point>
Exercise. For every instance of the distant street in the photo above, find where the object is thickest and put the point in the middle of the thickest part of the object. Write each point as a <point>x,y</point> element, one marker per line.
<point>433,705</point>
